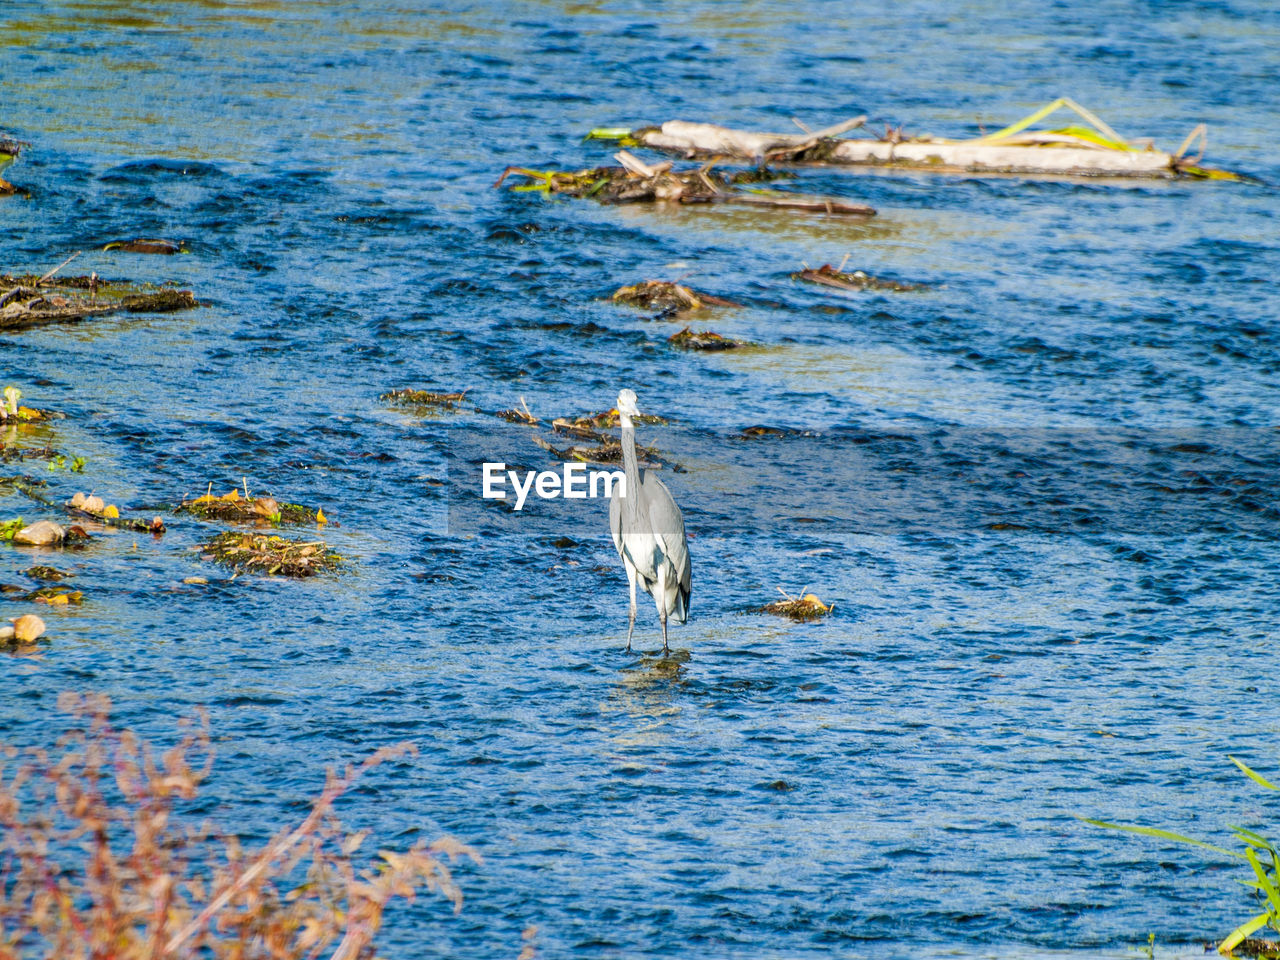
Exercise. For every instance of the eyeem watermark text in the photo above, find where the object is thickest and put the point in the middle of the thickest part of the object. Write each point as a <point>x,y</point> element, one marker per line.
<point>573,482</point>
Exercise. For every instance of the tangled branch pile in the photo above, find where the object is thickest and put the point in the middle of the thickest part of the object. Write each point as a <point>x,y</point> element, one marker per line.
<point>29,300</point>
<point>671,298</point>
<point>688,339</point>
<point>637,182</point>
<point>265,553</point>
<point>802,608</point>
<point>828,276</point>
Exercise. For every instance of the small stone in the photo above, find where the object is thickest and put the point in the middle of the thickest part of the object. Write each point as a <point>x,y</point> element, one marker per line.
<point>78,500</point>
<point>93,505</point>
<point>195,581</point>
<point>28,628</point>
<point>41,534</point>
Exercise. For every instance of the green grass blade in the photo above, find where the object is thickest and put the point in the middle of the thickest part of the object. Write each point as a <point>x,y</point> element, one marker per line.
<point>1256,778</point>
<point>1164,835</point>
<point>1239,933</point>
<point>1253,839</point>
<point>1087,115</point>
<point>1265,882</point>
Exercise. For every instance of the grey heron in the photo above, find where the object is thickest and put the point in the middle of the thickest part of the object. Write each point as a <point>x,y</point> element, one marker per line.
<point>648,530</point>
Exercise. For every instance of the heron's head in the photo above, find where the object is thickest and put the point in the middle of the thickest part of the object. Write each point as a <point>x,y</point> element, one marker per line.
<point>627,403</point>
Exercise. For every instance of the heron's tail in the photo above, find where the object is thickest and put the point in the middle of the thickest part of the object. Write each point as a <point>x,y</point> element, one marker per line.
<point>680,612</point>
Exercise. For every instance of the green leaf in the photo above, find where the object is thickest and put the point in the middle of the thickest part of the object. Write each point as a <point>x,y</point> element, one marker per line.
<point>1253,839</point>
<point>1265,882</point>
<point>1165,835</point>
<point>1253,776</point>
<point>1239,933</point>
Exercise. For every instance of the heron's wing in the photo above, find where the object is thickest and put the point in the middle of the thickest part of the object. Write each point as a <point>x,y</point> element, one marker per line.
<point>667,523</point>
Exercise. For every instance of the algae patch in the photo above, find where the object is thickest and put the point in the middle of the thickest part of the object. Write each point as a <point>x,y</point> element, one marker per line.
<point>423,402</point>
<point>637,182</point>
<point>708,340</point>
<point>270,554</point>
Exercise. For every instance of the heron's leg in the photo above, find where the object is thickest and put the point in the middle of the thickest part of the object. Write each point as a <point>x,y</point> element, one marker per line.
<point>662,614</point>
<point>631,621</point>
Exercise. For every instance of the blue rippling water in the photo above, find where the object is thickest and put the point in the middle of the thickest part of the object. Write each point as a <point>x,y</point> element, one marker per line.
<point>1043,487</point>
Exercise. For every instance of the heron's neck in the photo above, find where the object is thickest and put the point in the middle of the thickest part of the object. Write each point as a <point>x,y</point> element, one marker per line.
<point>629,465</point>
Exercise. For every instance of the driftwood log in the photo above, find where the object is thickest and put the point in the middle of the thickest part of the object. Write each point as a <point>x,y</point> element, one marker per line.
<point>1066,156</point>
<point>1074,151</point>
<point>32,301</point>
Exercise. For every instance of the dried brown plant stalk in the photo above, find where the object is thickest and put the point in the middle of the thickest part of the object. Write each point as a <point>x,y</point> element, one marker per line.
<point>95,863</point>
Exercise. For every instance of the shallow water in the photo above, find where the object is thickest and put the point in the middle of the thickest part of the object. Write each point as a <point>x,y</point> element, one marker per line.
<point>1048,525</point>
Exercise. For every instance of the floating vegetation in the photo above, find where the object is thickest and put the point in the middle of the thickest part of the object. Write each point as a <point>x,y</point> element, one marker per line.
<point>12,453</point>
<point>688,339</point>
<point>637,182</point>
<point>108,514</point>
<point>1073,151</point>
<point>44,572</point>
<point>829,276</point>
<point>55,597</point>
<point>30,300</point>
<point>423,400</point>
<point>27,486</point>
<point>522,415</point>
<point>162,301</point>
<point>234,508</point>
<point>147,245</point>
<point>1253,947</point>
<point>803,608</point>
<point>270,554</point>
<point>60,462</point>
<point>588,427</point>
<point>9,150</point>
<point>607,452</point>
<point>671,298</point>
<point>27,415</point>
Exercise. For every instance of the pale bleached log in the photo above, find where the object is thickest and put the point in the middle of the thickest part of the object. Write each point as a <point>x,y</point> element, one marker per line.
<point>709,140</point>
<point>996,158</point>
